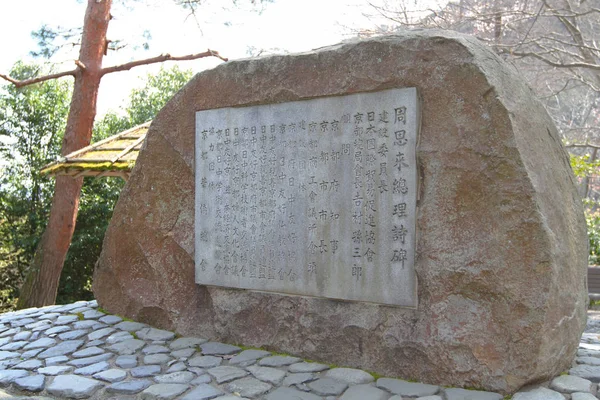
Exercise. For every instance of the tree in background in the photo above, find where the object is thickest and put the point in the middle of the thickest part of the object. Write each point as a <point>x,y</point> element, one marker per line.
<point>31,120</point>
<point>41,283</point>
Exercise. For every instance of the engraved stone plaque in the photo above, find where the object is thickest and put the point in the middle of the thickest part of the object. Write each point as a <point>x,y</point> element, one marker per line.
<point>314,197</point>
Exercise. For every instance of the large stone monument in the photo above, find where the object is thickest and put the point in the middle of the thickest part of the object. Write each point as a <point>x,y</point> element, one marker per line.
<point>400,204</point>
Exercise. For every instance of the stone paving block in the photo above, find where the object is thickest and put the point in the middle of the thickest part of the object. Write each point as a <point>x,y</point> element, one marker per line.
<point>164,391</point>
<point>286,393</point>
<point>157,359</point>
<point>185,353</point>
<point>110,319</point>
<point>587,372</point>
<point>588,360</point>
<point>30,364</point>
<point>127,347</point>
<point>12,346</point>
<point>248,387</point>
<point>205,361</point>
<point>31,353</point>
<point>273,376</point>
<point>215,348</point>
<point>175,377</point>
<point>7,376</point>
<point>126,361</point>
<point>66,319</point>
<point>93,314</point>
<point>155,334</point>
<point>583,396</point>
<point>88,324</point>
<point>55,370</point>
<point>225,374</point>
<point>463,394</point>
<point>176,367</point>
<point>307,367</point>
<point>350,375</point>
<point>145,371</point>
<point>93,368</point>
<point>328,387</point>
<point>88,352</point>
<point>363,392</point>
<point>538,394</point>
<point>76,334</point>
<point>118,337</point>
<point>41,343</point>
<point>248,356</point>
<point>129,387</point>
<point>73,386</point>
<point>82,362</point>
<point>301,377</point>
<point>405,388</point>
<point>56,330</point>
<point>570,384</point>
<point>278,361</point>
<point>19,336</point>
<point>155,349</point>
<point>100,333</point>
<point>32,383</point>
<point>186,342</point>
<point>434,397</point>
<point>204,392</point>
<point>111,375</point>
<point>202,379</point>
<point>130,326</point>
<point>61,349</point>
<point>56,360</point>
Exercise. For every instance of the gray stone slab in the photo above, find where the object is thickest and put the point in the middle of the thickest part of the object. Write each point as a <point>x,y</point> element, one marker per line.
<point>216,348</point>
<point>248,357</point>
<point>126,361</point>
<point>8,376</point>
<point>176,377</point>
<point>61,349</point>
<point>30,364</point>
<point>31,353</point>
<point>184,353</point>
<point>328,387</point>
<point>154,334</point>
<point>164,391</point>
<point>434,397</point>
<point>144,371</point>
<point>21,322</point>
<point>66,319</point>
<point>278,361</point>
<point>85,361</point>
<point>273,376</point>
<point>93,368</point>
<point>129,387</point>
<point>157,359</point>
<point>404,388</point>
<point>24,335</point>
<point>110,319</point>
<point>317,267</point>
<point>301,377</point>
<point>587,372</point>
<point>537,394</point>
<point>130,326</point>
<point>9,332</point>
<point>56,360</point>
<point>363,392</point>
<point>570,384</point>
<point>88,324</point>
<point>225,374</point>
<point>186,342</point>
<point>155,349</point>
<point>127,347</point>
<point>32,383</point>
<point>111,375</point>
<point>583,396</point>
<point>286,393</point>
<point>100,333</point>
<point>56,330</point>
<point>176,367</point>
<point>12,346</point>
<point>42,343</point>
<point>93,314</point>
<point>118,337</point>
<point>588,360</point>
<point>55,370</point>
<point>75,334</point>
<point>307,367</point>
<point>248,387</point>
<point>73,386</point>
<point>205,361</point>
<point>203,392</point>
<point>88,352</point>
<point>463,394</point>
<point>202,379</point>
<point>350,375</point>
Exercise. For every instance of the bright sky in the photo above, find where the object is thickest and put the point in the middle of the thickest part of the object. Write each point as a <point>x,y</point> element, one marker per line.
<point>283,25</point>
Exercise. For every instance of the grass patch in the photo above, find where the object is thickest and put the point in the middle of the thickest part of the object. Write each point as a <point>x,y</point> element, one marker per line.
<point>80,316</point>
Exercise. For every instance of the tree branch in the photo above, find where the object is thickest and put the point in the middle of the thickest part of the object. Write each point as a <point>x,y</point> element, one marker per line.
<point>159,59</point>
<point>44,78</point>
<point>595,67</point>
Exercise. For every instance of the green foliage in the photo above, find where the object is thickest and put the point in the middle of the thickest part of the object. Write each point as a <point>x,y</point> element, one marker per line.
<point>32,123</point>
<point>593,228</point>
<point>582,166</point>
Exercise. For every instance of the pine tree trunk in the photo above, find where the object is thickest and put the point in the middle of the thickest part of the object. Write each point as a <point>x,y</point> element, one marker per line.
<point>41,284</point>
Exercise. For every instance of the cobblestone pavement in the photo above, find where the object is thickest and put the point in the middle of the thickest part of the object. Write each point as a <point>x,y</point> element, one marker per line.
<point>76,351</point>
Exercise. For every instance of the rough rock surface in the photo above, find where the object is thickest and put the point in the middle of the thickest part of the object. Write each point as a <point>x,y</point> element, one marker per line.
<point>501,254</point>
